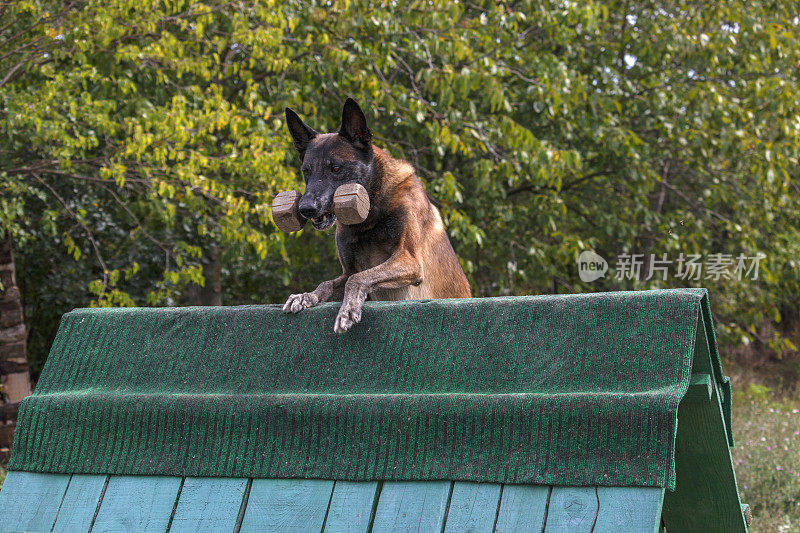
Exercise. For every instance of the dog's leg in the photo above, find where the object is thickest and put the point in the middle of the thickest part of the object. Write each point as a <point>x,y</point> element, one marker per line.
<point>400,270</point>
<point>333,289</point>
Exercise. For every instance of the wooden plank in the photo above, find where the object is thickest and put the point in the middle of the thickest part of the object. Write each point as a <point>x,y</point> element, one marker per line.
<point>604,509</point>
<point>30,501</point>
<point>137,503</point>
<point>473,507</point>
<point>412,506</point>
<point>629,509</point>
<point>80,503</point>
<point>571,510</point>
<point>208,504</point>
<point>700,389</point>
<point>522,508</point>
<point>287,505</point>
<point>351,506</point>
<point>706,497</point>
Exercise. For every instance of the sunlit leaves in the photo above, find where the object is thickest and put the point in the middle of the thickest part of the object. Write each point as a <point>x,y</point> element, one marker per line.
<point>539,128</point>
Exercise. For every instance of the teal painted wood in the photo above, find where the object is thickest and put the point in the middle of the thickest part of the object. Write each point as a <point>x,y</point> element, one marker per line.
<point>80,503</point>
<point>137,503</point>
<point>522,508</point>
<point>629,509</point>
<point>30,501</point>
<point>351,506</point>
<point>287,505</point>
<point>412,506</point>
<point>571,510</point>
<point>208,504</point>
<point>473,507</point>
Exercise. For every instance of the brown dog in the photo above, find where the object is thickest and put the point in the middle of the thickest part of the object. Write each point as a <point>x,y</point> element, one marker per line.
<point>401,251</point>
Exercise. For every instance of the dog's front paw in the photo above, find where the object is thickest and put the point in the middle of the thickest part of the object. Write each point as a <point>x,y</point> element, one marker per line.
<point>348,315</point>
<point>298,302</point>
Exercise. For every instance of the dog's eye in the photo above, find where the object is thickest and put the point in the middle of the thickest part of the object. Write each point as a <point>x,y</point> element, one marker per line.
<point>306,170</point>
<point>335,169</point>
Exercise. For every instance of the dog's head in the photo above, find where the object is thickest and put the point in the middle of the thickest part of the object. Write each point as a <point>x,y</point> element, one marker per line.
<point>330,160</point>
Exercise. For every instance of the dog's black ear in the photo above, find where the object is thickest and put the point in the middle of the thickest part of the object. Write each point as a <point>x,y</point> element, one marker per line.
<point>354,125</point>
<point>301,133</point>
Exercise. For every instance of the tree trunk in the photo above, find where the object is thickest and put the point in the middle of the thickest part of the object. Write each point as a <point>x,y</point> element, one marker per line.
<point>15,378</point>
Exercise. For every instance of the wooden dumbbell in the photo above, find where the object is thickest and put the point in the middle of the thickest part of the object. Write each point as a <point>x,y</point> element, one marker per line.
<point>350,205</point>
<point>285,213</point>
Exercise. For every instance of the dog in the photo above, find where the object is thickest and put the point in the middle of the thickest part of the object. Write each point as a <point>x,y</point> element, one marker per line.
<point>401,250</point>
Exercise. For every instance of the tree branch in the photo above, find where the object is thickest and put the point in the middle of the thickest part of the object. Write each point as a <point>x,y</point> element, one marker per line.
<point>85,228</point>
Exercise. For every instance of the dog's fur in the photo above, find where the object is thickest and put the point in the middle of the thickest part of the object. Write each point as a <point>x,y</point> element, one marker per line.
<point>401,251</point>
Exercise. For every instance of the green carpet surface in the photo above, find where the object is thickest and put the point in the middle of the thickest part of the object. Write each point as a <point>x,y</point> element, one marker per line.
<point>563,390</point>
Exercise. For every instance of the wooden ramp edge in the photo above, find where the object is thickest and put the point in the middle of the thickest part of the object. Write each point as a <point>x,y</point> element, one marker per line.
<point>55,502</point>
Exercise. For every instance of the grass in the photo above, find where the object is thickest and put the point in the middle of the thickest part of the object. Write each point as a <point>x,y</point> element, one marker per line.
<point>2,475</point>
<point>766,427</point>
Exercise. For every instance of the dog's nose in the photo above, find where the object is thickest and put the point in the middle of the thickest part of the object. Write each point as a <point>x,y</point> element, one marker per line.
<point>308,208</point>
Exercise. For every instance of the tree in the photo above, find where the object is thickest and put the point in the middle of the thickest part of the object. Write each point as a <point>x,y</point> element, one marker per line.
<point>146,139</point>
<point>21,45</point>
<point>15,379</point>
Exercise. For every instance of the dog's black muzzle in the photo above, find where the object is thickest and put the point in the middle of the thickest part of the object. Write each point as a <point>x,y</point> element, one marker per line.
<point>311,208</point>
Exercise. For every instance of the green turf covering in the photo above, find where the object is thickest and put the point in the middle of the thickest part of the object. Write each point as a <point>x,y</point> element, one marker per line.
<point>563,390</point>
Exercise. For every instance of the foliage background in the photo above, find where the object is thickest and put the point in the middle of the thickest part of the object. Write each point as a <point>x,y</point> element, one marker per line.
<point>141,143</point>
